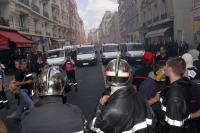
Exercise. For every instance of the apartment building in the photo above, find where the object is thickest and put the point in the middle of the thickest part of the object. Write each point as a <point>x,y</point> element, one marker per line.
<point>196,21</point>
<point>49,23</point>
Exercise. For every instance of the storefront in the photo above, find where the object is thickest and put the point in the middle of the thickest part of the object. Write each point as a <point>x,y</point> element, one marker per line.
<point>12,46</point>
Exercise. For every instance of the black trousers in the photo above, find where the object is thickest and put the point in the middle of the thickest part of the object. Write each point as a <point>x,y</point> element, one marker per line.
<point>71,76</point>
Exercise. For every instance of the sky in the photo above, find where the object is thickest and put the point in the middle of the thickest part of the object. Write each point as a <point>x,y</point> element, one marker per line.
<point>92,11</point>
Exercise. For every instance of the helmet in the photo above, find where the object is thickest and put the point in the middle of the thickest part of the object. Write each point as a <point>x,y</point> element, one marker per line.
<point>188,59</point>
<point>194,53</point>
<point>149,57</point>
<point>51,82</point>
<point>118,72</point>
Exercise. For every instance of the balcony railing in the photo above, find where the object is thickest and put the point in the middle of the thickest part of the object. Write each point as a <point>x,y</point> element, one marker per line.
<point>24,29</point>
<point>164,16</point>
<point>35,8</point>
<point>54,18</point>
<point>26,2</point>
<point>155,19</point>
<point>45,13</point>
<point>150,21</point>
<point>48,33</point>
<point>4,22</point>
<point>38,31</point>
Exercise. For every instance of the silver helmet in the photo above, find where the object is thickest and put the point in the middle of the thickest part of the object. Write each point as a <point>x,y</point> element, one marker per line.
<point>51,82</point>
<point>118,72</point>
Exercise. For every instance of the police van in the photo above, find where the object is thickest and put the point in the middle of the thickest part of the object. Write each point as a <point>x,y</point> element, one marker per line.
<point>110,51</point>
<point>56,57</point>
<point>86,55</point>
<point>133,51</point>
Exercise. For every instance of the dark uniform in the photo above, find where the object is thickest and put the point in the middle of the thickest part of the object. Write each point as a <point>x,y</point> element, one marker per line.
<point>54,117</point>
<point>161,59</point>
<point>3,97</point>
<point>140,75</point>
<point>126,111</point>
<point>175,103</point>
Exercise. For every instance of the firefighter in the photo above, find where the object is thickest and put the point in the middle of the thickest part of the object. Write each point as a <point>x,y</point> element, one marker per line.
<point>125,110</point>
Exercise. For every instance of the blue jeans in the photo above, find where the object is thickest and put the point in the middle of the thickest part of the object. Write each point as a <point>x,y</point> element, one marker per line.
<point>25,101</point>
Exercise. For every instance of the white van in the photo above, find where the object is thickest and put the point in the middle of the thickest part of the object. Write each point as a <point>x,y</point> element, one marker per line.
<point>56,57</point>
<point>86,55</point>
<point>110,51</point>
<point>133,51</point>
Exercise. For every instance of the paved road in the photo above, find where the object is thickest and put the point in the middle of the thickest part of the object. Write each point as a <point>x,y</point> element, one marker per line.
<point>91,85</point>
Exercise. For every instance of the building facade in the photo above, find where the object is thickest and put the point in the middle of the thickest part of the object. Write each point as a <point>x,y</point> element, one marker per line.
<point>50,23</point>
<point>167,20</point>
<point>196,21</point>
<point>114,33</point>
<point>104,27</point>
<point>93,36</point>
<point>130,17</point>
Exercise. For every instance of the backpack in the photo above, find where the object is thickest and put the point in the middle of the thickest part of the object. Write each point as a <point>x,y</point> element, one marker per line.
<point>69,66</point>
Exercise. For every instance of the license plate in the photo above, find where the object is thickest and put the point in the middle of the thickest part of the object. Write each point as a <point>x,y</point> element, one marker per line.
<point>85,64</point>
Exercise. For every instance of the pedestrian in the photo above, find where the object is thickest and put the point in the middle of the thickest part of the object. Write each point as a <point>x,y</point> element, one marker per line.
<point>70,71</point>
<point>3,97</point>
<point>192,71</point>
<point>52,116</point>
<point>143,71</point>
<point>175,99</point>
<point>25,80</point>
<point>125,110</point>
<point>162,57</point>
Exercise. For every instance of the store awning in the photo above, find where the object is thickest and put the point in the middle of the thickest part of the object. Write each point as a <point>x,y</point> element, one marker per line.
<point>156,33</point>
<point>4,43</point>
<point>15,37</point>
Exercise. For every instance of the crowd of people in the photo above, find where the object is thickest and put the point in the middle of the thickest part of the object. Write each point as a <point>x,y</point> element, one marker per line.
<point>161,96</point>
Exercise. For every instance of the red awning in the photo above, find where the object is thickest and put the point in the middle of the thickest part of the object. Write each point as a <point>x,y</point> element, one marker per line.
<point>16,38</point>
<point>4,43</point>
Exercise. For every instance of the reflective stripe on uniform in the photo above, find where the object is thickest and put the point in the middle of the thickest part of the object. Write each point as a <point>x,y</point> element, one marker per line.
<point>176,122</point>
<point>97,130</point>
<point>163,108</point>
<point>140,126</point>
<point>80,132</point>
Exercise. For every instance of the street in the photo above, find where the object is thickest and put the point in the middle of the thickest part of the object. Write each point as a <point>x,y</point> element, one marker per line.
<point>91,85</point>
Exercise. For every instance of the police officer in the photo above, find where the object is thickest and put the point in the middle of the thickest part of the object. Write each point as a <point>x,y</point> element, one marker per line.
<point>125,111</point>
<point>52,116</point>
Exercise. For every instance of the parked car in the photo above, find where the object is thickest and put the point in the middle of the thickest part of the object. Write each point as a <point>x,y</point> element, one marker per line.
<point>110,51</point>
<point>86,55</point>
<point>133,51</point>
<point>56,57</point>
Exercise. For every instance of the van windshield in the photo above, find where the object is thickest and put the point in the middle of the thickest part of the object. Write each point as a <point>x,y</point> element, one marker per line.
<point>86,50</point>
<point>56,54</point>
<point>111,48</point>
<point>134,47</point>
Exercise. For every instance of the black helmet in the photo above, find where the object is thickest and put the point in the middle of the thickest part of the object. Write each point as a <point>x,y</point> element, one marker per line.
<point>118,72</point>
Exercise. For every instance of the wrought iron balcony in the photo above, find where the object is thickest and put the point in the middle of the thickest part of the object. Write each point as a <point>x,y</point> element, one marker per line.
<point>155,19</point>
<point>38,31</point>
<point>48,33</point>
<point>45,13</point>
<point>25,2</point>
<point>35,8</point>
<point>24,29</point>
<point>4,22</point>
<point>54,18</point>
<point>164,16</point>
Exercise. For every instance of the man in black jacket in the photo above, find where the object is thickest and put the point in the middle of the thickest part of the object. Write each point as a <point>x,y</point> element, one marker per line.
<point>52,116</point>
<point>126,110</point>
<point>175,99</point>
